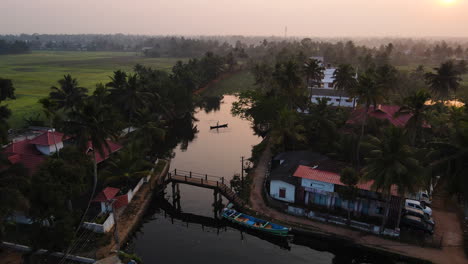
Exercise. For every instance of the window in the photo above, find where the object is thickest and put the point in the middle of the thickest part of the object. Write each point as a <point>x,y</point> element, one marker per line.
<point>337,202</point>
<point>349,100</point>
<point>330,85</point>
<point>282,192</point>
<point>338,100</point>
<point>365,207</point>
<point>379,210</point>
<point>320,199</point>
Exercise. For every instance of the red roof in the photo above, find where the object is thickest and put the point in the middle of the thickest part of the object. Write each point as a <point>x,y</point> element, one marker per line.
<point>332,177</point>
<point>48,138</point>
<point>113,148</point>
<point>106,195</point>
<point>26,153</point>
<point>384,112</point>
<point>122,200</point>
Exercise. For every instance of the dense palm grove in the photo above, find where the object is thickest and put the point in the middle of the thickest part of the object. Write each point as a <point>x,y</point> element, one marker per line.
<point>358,51</point>
<point>141,108</point>
<point>137,109</point>
<point>433,142</point>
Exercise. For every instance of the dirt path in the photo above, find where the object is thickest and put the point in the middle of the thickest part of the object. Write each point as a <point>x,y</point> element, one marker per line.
<point>451,253</point>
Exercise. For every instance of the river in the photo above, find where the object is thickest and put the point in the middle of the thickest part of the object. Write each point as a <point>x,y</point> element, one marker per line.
<point>195,236</point>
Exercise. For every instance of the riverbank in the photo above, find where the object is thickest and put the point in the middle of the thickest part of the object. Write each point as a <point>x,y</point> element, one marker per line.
<point>130,216</point>
<point>450,254</point>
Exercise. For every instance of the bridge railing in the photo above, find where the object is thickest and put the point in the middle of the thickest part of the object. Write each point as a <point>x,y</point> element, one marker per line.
<point>201,176</point>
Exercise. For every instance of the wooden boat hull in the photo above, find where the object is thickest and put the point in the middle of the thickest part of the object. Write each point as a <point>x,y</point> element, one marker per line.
<point>220,126</point>
<point>254,223</point>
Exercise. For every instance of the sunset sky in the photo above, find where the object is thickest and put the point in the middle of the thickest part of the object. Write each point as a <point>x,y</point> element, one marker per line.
<point>238,17</point>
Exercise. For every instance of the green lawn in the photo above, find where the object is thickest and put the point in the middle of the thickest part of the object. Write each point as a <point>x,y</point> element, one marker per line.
<point>235,83</point>
<point>33,74</point>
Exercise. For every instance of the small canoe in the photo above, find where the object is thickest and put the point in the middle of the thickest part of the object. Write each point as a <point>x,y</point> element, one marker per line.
<point>218,126</point>
<point>254,223</point>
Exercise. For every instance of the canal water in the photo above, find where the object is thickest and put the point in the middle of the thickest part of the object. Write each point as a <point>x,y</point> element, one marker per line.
<point>195,236</point>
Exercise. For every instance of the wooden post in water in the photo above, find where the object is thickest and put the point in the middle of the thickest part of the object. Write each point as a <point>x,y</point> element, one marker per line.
<point>215,203</point>
<point>178,199</point>
<point>173,194</point>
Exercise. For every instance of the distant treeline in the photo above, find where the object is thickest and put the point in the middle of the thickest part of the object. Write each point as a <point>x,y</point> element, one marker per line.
<point>398,51</point>
<point>15,47</point>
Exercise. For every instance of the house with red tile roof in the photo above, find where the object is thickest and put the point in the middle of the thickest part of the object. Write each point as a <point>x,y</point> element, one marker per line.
<point>382,112</point>
<point>31,152</point>
<point>310,180</point>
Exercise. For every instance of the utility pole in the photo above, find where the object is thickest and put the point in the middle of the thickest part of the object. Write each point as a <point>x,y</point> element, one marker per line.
<point>242,174</point>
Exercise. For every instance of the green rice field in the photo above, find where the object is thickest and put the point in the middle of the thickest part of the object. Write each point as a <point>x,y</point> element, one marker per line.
<point>235,83</point>
<point>33,74</point>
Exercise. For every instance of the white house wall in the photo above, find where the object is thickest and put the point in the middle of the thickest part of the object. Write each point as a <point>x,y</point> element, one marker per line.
<point>276,185</point>
<point>48,150</point>
<point>334,100</point>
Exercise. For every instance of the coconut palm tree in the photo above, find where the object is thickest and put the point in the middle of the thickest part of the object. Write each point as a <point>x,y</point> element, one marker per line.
<point>286,75</point>
<point>90,126</point>
<point>449,157</point>
<point>69,95</point>
<point>368,93</point>
<point>350,178</point>
<point>314,72</point>
<point>127,96</point>
<point>390,161</point>
<point>344,79</point>
<point>446,79</point>
<point>415,105</point>
<point>127,167</point>
<point>286,130</point>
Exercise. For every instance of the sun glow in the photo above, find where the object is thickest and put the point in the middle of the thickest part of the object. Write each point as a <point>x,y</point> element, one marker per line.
<point>448,2</point>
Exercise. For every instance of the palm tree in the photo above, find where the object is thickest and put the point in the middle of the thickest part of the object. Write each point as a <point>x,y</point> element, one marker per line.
<point>127,96</point>
<point>344,79</point>
<point>118,81</point>
<point>127,167</point>
<point>287,77</point>
<point>390,161</point>
<point>91,125</point>
<point>415,105</point>
<point>14,180</point>
<point>368,93</point>
<point>450,157</point>
<point>69,95</point>
<point>314,71</point>
<point>350,178</point>
<point>445,79</point>
<point>286,130</point>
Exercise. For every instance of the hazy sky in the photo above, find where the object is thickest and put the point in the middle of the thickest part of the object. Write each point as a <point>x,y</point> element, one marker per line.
<point>233,17</point>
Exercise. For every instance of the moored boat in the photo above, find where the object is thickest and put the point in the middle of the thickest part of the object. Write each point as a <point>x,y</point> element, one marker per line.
<point>254,223</point>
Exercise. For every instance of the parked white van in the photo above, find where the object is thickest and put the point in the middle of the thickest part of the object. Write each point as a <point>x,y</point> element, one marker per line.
<point>422,196</point>
<point>417,205</point>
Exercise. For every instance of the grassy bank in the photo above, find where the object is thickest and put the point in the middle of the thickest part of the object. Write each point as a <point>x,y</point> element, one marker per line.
<point>33,74</point>
<point>233,83</point>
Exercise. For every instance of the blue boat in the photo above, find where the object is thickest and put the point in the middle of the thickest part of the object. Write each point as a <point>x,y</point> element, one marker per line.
<point>254,223</point>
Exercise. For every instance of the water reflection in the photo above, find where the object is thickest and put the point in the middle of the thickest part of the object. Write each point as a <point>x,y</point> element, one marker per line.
<point>197,236</point>
<point>192,234</point>
<point>210,103</point>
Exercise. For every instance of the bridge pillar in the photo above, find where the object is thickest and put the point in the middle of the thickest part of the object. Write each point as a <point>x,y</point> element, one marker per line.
<point>215,203</point>
<point>176,196</point>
